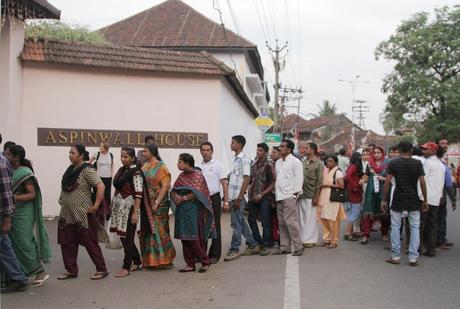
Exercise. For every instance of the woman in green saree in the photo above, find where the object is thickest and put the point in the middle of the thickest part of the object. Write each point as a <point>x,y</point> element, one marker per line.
<point>28,232</point>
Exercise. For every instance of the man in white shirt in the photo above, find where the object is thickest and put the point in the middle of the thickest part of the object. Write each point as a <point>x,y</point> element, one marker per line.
<point>435,175</point>
<point>216,177</point>
<point>289,181</point>
<point>238,184</point>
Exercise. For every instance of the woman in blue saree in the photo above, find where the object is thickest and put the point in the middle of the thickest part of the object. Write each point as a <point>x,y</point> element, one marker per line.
<point>193,218</point>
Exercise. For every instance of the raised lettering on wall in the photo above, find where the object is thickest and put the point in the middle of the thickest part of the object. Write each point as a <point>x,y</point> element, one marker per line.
<point>93,138</point>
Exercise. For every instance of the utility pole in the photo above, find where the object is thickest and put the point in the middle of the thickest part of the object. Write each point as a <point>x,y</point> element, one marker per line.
<point>288,95</point>
<point>275,53</point>
<point>353,85</point>
<point>360,109</point>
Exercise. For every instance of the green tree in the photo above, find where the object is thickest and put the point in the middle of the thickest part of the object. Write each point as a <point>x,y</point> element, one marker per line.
<point>327,109</point>
<point>56,30</point>
<point>424,85</point>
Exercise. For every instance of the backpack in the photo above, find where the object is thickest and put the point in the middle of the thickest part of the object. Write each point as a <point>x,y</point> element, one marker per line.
<point>97,158</point>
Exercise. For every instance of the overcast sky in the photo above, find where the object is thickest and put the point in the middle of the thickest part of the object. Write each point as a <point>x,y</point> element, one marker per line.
<point>334,40</point>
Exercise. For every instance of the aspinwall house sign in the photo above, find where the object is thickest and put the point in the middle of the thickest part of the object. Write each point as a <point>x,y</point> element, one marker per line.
<point>93,138</point>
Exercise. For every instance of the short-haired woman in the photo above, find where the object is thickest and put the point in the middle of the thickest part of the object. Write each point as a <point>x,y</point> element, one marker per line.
<point>103,162</point>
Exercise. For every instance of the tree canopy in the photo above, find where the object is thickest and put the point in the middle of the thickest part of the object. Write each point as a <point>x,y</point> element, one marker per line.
<point>424,86</point>
<point>327,109</point>
<point>56,30</point>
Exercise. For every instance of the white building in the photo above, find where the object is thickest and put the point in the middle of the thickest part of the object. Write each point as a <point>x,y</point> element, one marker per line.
<point>68,92</point>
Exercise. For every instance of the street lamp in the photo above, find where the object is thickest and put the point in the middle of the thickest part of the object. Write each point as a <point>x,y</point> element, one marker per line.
<point>353,86</point>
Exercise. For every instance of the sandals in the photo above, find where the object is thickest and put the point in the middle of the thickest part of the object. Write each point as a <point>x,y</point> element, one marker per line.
<point>187,269</point>
<point>99,275</point>
<point>135,267</point>
<point>325,244</point>
<point>204,268</point>
<point>66,275</point>
<point>332,246</point>
<point>349,238</point>
<point>364,241</point>
<point>122,273</point>
<point>40,282</point>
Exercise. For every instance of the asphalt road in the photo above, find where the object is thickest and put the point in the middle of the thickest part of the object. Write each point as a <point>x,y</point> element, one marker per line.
<point>351,276</point>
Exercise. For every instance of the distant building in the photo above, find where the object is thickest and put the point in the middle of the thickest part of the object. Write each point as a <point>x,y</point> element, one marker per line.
<point>332,133</point>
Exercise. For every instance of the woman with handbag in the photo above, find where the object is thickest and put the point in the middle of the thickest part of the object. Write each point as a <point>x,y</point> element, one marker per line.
<point>331,197</point>
<point>355,194</point>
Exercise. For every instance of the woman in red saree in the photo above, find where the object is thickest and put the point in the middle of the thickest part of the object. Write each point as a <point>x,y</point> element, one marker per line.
<point>193,218</point>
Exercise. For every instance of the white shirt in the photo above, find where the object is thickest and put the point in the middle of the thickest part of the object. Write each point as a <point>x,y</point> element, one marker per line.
<point>289,177</point>
<point>104,164</point>
<point>213,171</point>
<point>435,176</point>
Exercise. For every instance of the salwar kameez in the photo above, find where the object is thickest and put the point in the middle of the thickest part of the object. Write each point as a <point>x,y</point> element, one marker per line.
<point>331,212</point>
<point>129,185</point>
<point>76,226</point>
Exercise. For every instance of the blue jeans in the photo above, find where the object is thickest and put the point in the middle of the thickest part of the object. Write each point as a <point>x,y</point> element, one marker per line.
<point>414,243</point>
<point>240,226</point>
<point>263,208</point>
<point>9,262</point>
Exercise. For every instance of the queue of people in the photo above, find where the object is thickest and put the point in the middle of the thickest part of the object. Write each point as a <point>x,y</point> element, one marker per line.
<point>300,199</point>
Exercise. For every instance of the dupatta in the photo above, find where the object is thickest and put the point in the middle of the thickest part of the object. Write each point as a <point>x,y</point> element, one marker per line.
<point>191,214</point>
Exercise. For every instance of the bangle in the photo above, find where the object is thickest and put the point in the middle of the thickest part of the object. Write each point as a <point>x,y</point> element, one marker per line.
<point>185,197</point>
<point>156,202</point>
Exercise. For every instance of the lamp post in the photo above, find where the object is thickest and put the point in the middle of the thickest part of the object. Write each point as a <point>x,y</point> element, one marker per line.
<point>353,86</point>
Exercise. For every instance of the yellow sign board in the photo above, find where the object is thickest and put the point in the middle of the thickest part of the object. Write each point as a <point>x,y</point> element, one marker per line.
<point>264,122</point>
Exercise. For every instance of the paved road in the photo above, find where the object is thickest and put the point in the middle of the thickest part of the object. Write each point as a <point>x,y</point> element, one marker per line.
<point>351,276</point>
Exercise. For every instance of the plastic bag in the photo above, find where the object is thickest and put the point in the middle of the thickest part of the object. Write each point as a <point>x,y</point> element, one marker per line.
<point>114,240</point>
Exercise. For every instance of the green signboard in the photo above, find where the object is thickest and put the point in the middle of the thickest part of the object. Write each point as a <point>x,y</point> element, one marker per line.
<point>272,138</point>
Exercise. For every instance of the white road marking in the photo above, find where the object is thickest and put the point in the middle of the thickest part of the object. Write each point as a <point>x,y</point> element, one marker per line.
<point>291,285</point>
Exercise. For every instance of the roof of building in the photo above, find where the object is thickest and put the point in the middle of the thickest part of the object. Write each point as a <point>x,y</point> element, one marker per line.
<point>132,58</point>
<point>30,9</point>
<point>172,24</point>
<point>304,125</point>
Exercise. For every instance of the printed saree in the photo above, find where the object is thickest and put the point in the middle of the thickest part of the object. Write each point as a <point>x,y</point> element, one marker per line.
<point>155,241</point>
<point>28,231</point>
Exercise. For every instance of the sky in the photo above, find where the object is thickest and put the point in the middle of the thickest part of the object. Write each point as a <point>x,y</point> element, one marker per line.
<point>328,40</point>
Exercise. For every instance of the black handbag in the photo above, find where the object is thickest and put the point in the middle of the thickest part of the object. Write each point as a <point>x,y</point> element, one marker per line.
<point>338,195</point>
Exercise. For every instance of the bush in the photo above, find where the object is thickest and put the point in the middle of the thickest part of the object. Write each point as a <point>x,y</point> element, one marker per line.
<point>56,30</point>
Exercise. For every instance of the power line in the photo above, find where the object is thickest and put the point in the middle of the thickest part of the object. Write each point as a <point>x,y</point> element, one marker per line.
<point>259,18</point>
<point>299,41</point>
<point>265,19</point>
<point>216,6</point>
<point>270,11</point>
<point>237,28</point>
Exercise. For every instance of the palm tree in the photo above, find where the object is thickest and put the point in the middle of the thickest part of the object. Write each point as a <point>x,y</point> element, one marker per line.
<point>327,109</point>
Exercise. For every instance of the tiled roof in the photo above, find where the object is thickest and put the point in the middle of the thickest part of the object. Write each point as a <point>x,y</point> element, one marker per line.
<point>132,58</point>
<point>171,24</point>
<point>290,120</point>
